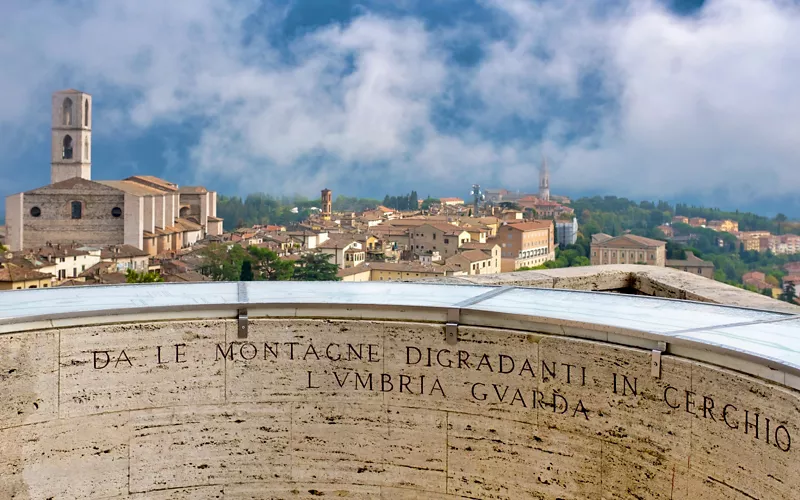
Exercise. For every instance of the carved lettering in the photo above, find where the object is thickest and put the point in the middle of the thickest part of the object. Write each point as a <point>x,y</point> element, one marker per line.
<point>99,362</point>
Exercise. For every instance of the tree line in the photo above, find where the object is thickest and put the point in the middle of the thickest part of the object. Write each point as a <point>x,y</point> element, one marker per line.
<point>235,263</point>
<point>408,201</point>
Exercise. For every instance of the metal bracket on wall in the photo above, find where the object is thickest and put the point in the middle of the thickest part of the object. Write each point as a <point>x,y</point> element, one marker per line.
<point>242,324</point>
<point>451,327</point>
<point>655,364</point>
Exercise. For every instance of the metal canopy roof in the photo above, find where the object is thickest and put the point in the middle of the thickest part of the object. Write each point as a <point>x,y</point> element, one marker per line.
<point>769,338</point>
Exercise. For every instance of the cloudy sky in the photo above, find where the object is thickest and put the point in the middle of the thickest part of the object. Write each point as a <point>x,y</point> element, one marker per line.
<point>679,100</point>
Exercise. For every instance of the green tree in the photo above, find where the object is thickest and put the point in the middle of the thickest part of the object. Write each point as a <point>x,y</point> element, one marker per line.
<point>247,271</point>
<point>315,267</point>
<point>426,204</point>
<point>131,276</point>
<point>268,266</point>
<point>789,293</point>
<point>779,220</point>
<point>222,262</point>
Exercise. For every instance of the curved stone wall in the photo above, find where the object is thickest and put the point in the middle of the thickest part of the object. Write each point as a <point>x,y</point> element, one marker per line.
<point>314,407</point>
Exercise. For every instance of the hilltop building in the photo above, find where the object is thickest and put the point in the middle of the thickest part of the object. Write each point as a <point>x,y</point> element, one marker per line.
<point>145,212</point>
<point>627,249</point>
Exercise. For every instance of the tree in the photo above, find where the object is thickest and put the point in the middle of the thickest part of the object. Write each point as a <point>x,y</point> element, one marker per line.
<point>789,293</point>
<point>315,267</point>
<point>247,271</point>
<point>268,266</point>
<point>222,263</point>
<point>780,219</point>
<point>131,276</point>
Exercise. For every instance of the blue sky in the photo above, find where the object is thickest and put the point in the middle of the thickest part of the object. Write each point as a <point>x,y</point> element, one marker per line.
<point>680,100</point>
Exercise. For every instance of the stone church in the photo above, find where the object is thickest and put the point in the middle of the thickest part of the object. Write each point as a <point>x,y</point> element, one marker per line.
<point>146,212</point>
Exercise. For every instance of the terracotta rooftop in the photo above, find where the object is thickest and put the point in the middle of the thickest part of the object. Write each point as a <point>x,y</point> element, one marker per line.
<point>474,255</point>
<point>134,188</point>
<point>631,240</point>
<point>192,189</point>
<point>154,181</point>
<point>531,226</point>
<point>121,251</point>
<point>446,228</point>
<point>13,273</point>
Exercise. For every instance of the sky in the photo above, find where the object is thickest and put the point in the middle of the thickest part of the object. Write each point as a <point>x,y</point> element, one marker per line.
<point>682,100</point>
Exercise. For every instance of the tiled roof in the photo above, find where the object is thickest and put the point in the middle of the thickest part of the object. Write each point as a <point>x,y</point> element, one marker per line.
<point>149,179</point>
<point>631,241</point>
<point>121,251</point>
<point>187,225</point>
<point>337,241</point>
<point>192,190</point>
<point>134,188</point>
<point>531,226</point>
<point>446,228</point>
<point>13,273</point>
<point>474,255</point>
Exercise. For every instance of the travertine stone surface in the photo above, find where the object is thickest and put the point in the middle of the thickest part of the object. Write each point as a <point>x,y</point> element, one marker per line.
<point>357,409</point>
<point>161,364</point>
<point>68,458</point>
<point>28,378</point>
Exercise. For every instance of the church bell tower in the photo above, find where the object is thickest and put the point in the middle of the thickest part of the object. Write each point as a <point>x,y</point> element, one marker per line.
<point>71,154</point>
<point>544,180</point>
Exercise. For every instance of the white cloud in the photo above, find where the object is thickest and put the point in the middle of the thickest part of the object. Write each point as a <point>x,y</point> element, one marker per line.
<point>689,105</point>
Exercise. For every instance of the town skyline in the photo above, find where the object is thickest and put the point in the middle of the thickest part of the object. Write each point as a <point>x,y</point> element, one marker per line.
<point>683,101</point>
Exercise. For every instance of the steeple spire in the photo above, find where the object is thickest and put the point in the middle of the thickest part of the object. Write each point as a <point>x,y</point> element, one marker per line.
<point>544,180</point>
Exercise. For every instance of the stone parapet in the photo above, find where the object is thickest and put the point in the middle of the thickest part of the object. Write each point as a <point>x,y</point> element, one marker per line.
<point>394,391</point>
<point>644,280</point>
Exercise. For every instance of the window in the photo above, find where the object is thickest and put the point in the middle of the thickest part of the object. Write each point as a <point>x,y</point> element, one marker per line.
<point>447,241</point>
<point>86,113</point>
<point>66,112</point>
<point>434,236</point>
<point>66,150</point>
<point>76,210</point>
<point>36,211</point>
<point>74,272</point>
<point>86,148</point>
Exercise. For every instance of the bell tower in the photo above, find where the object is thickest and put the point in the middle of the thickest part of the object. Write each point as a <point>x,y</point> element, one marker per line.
<point>544,180</point>
<point>71,152</point>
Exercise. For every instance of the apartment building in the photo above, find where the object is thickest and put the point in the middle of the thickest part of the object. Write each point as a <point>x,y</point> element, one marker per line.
<point>442,237</point>
<point>475,262</point>
<point>680,219</point>
<point>525,244</point>
<point>697,222</point>
<point>345,251</point>
<point>627,249</point>
<point>726,226</point>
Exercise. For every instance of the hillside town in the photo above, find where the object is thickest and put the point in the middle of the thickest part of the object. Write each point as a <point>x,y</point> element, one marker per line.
<point>77,231</point>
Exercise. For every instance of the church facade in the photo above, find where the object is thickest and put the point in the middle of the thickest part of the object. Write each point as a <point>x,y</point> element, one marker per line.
<point>146,212</point>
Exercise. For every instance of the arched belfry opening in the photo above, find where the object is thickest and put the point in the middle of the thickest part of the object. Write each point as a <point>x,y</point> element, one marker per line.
<point>66,149</point>
<point>86,113</point>
<point>67,111</point>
